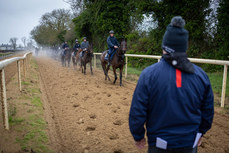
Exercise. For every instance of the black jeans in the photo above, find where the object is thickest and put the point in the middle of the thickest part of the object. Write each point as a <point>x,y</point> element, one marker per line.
<point>174,150</point>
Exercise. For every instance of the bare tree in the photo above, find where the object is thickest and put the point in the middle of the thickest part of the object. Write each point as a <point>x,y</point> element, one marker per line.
<point>58,19</point>
<point>53,27</point>
<point>76,6</point>
<point>30,43</point>
<point>23,39</point>
<point>13,42</point>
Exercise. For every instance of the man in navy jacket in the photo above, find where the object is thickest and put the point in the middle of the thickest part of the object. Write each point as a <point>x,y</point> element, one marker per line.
<point>76,47</point>
<point>113,44</point>
<point>84,46</point>
<point>173,98</point>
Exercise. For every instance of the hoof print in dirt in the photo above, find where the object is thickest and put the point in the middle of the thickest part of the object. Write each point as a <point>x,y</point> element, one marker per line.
<point>75,94</point>
<point>92,116</point>
<point>117,122</point>
<point>118,151</point>
<point>109,104</point>
<point>108,95</point>
<point>113,136</point>
<point>76,105</point>
<point>90,128</point>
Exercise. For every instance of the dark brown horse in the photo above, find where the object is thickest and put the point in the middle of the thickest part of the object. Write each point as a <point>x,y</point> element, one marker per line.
<point>87,58</point>
<point>76,58</point>
<point>117,62</point>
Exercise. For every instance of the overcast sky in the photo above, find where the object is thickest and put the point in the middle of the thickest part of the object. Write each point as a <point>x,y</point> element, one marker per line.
<point>19,17</point>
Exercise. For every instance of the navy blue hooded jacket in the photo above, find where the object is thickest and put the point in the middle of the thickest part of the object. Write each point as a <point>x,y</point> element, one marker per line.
<point>174,105</point>
<point>76,46</point>
<point>112,41</point>
<point>65,46</point>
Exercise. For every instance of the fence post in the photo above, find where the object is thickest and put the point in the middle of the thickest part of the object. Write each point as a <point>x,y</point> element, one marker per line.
<point>94,60</point>
<point>19,74</point>
<point>27,62</point>
<point>4,100</point>
<point>27,59</point>
<point>224,85</point>
<point>24,67</point>
<point>126,67</point>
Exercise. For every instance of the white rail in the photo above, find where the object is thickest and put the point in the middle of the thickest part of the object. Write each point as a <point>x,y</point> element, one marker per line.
<point>3,64</point>
<point>194,60</point>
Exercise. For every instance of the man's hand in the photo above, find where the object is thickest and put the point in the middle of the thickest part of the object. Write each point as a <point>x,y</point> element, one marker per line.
<point>140,144</point>
<point>199,142</point>
<point>115,46</point>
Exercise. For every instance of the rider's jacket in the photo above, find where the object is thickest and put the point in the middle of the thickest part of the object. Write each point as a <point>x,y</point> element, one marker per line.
<point>65,46</point>
<point>112,41</point>
<point>84,44</point>
<point>76,46</point>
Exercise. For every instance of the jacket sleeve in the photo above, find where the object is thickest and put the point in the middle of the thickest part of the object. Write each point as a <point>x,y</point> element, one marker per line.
<point>138,110</point>
<point>207,109</point>
<point>109,42</point>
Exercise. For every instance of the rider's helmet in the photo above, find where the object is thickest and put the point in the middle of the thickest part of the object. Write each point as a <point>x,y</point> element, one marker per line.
<point>76,40</point>
<point>111,32</point>
<point>84,38</point>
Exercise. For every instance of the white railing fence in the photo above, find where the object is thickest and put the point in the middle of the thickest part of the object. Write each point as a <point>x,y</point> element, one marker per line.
<point>26,64</point>
<point>194,60</point>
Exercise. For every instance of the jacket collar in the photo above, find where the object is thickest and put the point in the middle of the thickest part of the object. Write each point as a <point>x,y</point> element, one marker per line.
<point>179,61</point>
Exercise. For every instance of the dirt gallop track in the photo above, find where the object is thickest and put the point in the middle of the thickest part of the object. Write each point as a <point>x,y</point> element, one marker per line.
<point>87,114</point>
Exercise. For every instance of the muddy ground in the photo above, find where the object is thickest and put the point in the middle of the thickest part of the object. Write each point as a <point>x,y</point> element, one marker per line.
<point>85,113</point>
<point>89,114</point>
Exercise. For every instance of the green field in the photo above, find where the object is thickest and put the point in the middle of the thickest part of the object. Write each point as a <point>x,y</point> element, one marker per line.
<point>216,79</point>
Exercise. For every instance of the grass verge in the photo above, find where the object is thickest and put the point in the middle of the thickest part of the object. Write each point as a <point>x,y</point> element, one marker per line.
<point>26,115</point>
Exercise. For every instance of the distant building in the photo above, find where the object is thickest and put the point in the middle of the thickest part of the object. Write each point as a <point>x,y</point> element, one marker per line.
<point>6,47</point>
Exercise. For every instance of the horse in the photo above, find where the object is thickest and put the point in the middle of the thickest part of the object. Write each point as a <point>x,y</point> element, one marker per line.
<point>87,58</point>
<point>76,58</point>
<point>117,62</point>
<point>66,57</point>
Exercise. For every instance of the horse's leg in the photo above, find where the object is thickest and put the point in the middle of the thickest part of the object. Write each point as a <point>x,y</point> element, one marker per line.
<point>91,68</point>
<point>69,61</point>
<point>114,70</point>
<point>85,64</point>
<point>81,66</point>
<point>121,69</point>
<point>63,61</point>
<point>107,69</point>
<point>73,63</point>
<point>104,70</point>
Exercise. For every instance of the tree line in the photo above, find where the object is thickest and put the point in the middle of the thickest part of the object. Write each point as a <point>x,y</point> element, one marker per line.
<point>206,20</point>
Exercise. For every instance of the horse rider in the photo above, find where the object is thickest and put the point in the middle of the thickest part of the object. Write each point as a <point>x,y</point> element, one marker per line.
<point>113,45</point>
<point>65,47</point>
<point>84,46</point>
<point>76,47</point>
